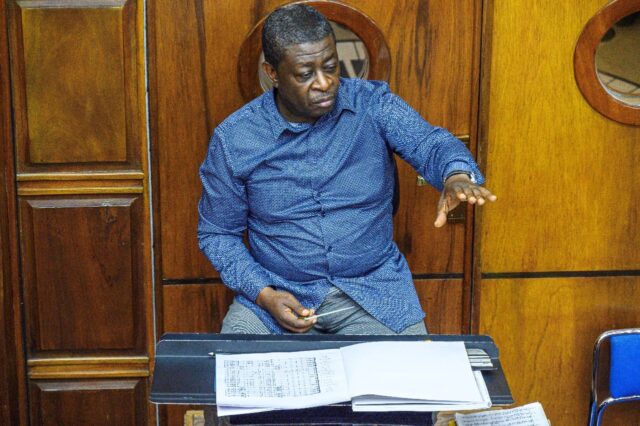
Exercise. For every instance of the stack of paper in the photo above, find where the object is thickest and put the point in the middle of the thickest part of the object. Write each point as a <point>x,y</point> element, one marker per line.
<point>527,415</point>
<point>375,376</point>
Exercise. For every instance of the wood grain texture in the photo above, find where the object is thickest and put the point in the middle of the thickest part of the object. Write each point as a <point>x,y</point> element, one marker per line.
<point>563,173</point>
<point>428,249</point>
<point>88,367</point>
<point>97,402</point>
<point>78,95</point>
<point>194,50</point>
<point>174,415</point>
<point>442,301</point>
<point>83,267</point>
<point>12,388</point>
<point>88,186</point>
<point>194,308</point>
<point>75,112</point>
<point>78,103</point>
<point>546,329</point>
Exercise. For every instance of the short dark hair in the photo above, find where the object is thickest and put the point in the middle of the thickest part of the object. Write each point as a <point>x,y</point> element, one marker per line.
<point>289,25</point>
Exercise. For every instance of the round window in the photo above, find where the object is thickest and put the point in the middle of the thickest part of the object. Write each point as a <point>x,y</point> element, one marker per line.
<point>618,60</point>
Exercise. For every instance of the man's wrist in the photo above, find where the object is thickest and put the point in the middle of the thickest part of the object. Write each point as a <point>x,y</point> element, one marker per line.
<point>459,172</point>
<point>264,294</point>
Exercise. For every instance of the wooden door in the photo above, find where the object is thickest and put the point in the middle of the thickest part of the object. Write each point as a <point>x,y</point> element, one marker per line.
<point>559,256</point>
<point>194,49</point>
<point>77,222</point>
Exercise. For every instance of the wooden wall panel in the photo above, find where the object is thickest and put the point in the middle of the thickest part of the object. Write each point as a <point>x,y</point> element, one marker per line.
<point>428,249</point>
<point>56,135</point>
<point>432,48</point>
<point>562,171</point>
<point>100,402</point>
<point>82,261</point>
<point>442,301</point>
<point>194,308</point>
<point>193,44</point>
<point>546,329</point>
<point>80,183</point>
<point>76,85</point>
<point>12,383</point>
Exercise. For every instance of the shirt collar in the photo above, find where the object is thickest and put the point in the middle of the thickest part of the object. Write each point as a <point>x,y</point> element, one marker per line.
<point>279,124</point>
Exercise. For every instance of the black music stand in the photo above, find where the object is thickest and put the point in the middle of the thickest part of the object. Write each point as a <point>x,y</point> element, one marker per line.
<point>184,374</point>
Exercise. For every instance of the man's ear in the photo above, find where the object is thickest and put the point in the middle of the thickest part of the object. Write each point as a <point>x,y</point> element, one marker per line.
<point>271,73</point>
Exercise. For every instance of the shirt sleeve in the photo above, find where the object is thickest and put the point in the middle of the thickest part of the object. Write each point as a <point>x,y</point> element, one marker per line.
<point>432,151</point>
<point>223,210</point>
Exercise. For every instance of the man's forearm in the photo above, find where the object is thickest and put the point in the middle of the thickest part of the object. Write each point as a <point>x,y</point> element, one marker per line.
<point>238,269</point>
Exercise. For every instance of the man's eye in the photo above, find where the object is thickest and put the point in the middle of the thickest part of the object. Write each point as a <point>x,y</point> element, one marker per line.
<point>305,75</point>
<point>331,68</point>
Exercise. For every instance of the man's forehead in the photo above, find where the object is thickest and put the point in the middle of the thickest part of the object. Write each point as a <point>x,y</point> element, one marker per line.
<point>311,51</point>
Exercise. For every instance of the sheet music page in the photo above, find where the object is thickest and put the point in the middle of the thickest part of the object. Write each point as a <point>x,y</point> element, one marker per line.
<point>372,403</point>
<point>281,379</point>
<point>427,370</point>
<point>527,415</point>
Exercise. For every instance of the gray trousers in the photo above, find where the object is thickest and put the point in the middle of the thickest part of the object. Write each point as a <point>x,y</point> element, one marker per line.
<point>241,320</point>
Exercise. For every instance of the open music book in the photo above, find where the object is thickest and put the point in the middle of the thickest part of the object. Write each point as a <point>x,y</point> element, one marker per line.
<point>374,376</point>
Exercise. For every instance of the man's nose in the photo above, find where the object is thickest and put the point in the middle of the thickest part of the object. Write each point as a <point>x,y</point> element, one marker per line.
<point>322,82</point>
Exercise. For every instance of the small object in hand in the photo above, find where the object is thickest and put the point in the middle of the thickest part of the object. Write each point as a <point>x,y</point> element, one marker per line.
<point>328,313</point>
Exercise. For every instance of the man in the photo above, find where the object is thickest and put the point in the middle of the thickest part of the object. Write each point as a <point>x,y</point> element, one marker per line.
<point>307,169</point>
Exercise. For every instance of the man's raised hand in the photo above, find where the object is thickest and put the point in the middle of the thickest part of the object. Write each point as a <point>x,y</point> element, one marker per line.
<point>459,188</point>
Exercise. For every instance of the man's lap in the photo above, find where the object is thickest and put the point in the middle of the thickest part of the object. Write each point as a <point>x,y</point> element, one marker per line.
<point>241,320</point>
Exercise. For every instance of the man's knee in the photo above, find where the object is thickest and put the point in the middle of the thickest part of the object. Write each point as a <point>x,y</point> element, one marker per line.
<point>418,329</point>
<point>241,320</point>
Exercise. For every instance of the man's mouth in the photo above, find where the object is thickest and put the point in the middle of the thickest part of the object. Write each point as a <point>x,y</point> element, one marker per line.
<point>324,102</point>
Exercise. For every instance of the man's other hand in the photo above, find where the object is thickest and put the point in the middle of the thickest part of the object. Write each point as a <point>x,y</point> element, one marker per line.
<point>286,309</point>
<point>459,188</point>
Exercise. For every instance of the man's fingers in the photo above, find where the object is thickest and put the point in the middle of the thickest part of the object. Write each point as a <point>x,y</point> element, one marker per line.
<point>473,194</point>
<point>460,193</point>
<point>457,192</point>
<point>297,309</point>
<point>443,209</point>
<point>470,195</point>
<point>441,219</point>
<point>295,320</point>
<point>287,311</point>
<point>296,324</point>
<point>486,194</point>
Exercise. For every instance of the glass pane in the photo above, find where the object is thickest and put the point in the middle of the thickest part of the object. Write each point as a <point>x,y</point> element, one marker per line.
<point>353,55</point>
<point>618,60</point>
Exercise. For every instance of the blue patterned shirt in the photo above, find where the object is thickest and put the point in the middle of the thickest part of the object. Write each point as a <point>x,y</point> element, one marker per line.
<point>316,200</point>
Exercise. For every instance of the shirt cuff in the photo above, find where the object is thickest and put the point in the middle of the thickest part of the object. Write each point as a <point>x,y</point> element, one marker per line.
<point>459,167</point>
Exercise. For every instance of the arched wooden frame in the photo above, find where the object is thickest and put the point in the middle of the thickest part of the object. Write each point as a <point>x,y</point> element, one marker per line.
<point>353,19</point>
<point>584,63</point>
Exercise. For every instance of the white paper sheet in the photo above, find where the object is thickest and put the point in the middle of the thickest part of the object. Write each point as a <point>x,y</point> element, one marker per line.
<point>234,411</point>
<point>368,403</point>
<point>376,376</point>
<point>527,415</point>
<point>431,371</point>
<point>280,379</point>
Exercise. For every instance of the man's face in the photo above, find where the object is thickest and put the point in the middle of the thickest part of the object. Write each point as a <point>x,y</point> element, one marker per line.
<point>307,79</point>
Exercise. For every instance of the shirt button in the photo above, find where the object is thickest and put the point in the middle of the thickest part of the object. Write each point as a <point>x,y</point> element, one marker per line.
<point>329,249</point>
<point>323,214</point>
